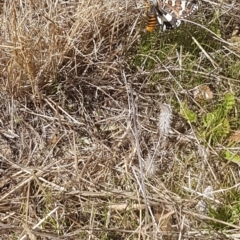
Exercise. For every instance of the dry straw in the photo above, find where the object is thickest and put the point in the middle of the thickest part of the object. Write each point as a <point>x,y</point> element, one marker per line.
<point>86,150</point>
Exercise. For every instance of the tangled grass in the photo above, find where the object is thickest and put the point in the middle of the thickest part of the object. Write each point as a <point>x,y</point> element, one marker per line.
<point>108,132</point>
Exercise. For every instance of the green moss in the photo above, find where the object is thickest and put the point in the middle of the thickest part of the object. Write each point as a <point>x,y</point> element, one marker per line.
<point>228,212</point>
<point>216,124</point>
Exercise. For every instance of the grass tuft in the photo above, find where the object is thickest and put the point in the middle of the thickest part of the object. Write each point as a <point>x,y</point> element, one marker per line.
<point>109,132</point>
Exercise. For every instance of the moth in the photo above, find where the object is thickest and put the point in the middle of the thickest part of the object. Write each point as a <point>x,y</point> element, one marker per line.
<point>168,13</point>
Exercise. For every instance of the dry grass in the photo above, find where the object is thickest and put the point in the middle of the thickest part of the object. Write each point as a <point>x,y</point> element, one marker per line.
<point>91,145</point>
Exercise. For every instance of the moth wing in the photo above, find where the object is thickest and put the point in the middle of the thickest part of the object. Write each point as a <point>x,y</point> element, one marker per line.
<point>165,18</point>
